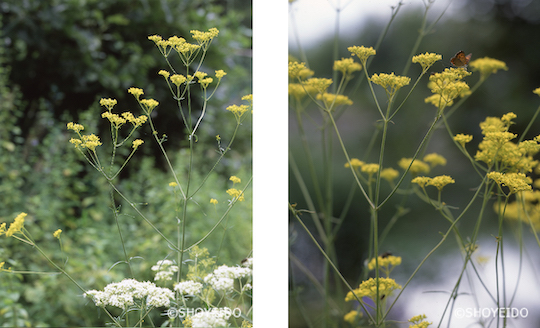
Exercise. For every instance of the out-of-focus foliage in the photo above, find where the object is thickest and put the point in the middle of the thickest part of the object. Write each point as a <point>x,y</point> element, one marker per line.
<point>57,59</point>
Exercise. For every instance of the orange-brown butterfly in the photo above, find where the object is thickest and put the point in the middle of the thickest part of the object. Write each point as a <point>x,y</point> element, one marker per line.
<point>460,60</point>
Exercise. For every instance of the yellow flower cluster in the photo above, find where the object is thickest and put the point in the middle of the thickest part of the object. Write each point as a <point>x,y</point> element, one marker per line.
<point>516,182</point>
<point>447,86</point>
<point>235,179</point>
<point>137,92</point>
<point>526,207</point>
<point>235,193</point>
<point>487,66</point>
<point>439,181</point>
<point>318,84</point>
<point>203,37</point>
<point>368,288</point>
<point>299,91</point>
<point>299,70</point>
<point>15,227</point>
<point>333,99</point>
<point>418,321</point>
<point>462,139</point>
<point>426,60</point>
<point>497,147</point>
<point>386,263</point>
<point>346,66</point>
<point>90,141</point>
<point>362,53</point>
<point>388,174</point>
<point>149,105</point>
<point>352,316</point>
<point>240,110</point>
<point>57,233</point>
<point>180,45</point>
<point>136,143</point>
<point>390,82</point>
<point>417,166</point>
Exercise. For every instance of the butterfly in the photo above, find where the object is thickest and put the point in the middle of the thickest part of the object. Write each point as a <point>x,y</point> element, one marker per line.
<point>460,60</point>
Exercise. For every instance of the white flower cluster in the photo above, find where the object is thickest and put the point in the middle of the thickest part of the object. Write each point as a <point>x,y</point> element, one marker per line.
<point>223,277</point>
<point>165,270</point>
<point>189,287</point>
<point>123,294</point>
<point>248,263</point>
<point>215,318</point>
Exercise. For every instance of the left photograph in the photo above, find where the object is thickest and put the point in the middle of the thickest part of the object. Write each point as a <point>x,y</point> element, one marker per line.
<point>126,164</point>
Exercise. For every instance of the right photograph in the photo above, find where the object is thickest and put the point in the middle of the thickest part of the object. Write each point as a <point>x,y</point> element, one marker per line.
<point>414,172</point>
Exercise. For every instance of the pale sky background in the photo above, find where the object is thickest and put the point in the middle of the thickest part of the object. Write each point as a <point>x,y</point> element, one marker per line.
<point>316,18</point>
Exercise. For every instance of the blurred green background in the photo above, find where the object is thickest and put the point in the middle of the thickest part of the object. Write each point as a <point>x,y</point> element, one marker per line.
<point>58,58</point>
<point>507,30</point>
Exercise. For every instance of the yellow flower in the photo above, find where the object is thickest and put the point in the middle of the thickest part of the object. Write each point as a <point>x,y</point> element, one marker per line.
<point>389,174</point>
<point>435,159</point>
<point>319,84</point>
<point>440,181</point>
<point>462,139</point>
<point>421,181</point>
<point>537,91</point>
<point>149,105</point>
<point>298,90</point>
<point>355,162</point>
<point>220,73</point>
<point>352,316</point>
<point>164,73</point>
<point>204,37</point>
<point>390,82</point>
<point>418,321</point>
<point>108,103</point>
<point>346,66</point>
<point>136,143</point>
<point>385,261</point>
<point>178,79</point>
<point>213,201</point>
<point>487,66</point>
<point>173,184</point>
<point>426,60</point>
<point>417,166</point>
<point>17,225</point>
<point>235,179</point>
<point>368,288</point>
<point>57,233</point>
<point>362,53</point>
<point>137,92</point>
<point>116,120</point>
<point>447,85</point>
<point>238,111</point>
<point>90,141</point>
<point>331,99</point>
<point>75,127</point>
<point>370,168</point>
<point>299,70</point>
<point>235,193</point>
<point>516,182</point>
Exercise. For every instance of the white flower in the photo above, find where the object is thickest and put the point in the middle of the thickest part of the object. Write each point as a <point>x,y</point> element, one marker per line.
<point>247,287</point>
<point>165,270</point>
<point>188,287</point>
<point>159,297</point>
<point>223,277</point>
<point>123,294</point>
<point>248,263</point>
